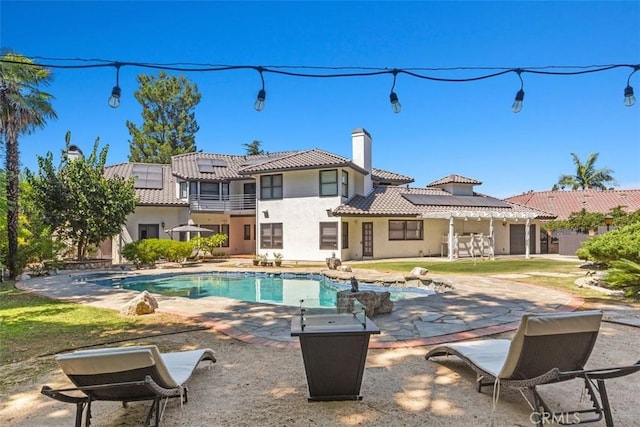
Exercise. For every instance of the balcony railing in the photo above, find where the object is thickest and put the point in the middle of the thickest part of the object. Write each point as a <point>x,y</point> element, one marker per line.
<point>236,202</point>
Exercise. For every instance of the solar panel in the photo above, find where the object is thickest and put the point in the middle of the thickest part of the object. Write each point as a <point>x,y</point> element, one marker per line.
<point>475,201</point>
<point>147,176</point>
<point>209,165</point>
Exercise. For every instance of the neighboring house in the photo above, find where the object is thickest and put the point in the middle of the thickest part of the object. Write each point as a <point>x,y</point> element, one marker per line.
<point>563,203</point>
<point>312,205</point>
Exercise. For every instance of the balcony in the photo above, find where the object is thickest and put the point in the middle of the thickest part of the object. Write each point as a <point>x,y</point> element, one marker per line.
<point>227,203</point>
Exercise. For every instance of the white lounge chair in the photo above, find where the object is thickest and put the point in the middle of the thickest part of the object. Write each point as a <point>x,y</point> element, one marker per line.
<point>126,374</point>
<point>546,348</point>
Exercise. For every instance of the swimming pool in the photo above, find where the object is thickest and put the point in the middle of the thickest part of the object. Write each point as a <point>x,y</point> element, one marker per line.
<point>282,289</point>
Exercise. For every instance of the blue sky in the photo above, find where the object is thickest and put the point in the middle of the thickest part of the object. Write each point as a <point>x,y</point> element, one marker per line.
<point>444,128</point>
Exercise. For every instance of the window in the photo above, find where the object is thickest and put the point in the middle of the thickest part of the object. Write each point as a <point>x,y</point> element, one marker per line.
<point>345,184</point>
<point>148,231</point>
<point>271,236</point>
<point>247,232</point>
<point>184,189</point>
<point>405,230</point>
<point>328,235</point>
<point>209,189</point>
<point>345,235</point>
<point>271,187</point>
<point>217,229</point>
<point>329,183</point>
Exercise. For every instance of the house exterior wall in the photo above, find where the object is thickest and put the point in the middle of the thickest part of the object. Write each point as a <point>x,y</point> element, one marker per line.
<point>300,211</point>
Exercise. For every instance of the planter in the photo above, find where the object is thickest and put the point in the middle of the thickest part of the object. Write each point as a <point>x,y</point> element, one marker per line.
<point>334,350</point>
<point>256,261</point>
<point>278,263</point>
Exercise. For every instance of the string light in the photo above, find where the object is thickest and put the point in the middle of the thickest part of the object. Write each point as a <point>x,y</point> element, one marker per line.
<point>330,72</point>
<point>516,107</point>
<point>629,98</point>
<point>262,94</point>
<point>393,98</point>
<point>114,99</point>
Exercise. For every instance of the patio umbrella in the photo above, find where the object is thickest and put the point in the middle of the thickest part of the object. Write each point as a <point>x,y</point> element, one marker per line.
<point>188,229</point>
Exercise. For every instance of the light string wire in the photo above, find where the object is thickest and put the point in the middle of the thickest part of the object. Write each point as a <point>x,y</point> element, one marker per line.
<point>325,72</point>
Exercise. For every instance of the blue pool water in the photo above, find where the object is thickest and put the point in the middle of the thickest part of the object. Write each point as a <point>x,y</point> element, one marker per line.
<point>285,289</point>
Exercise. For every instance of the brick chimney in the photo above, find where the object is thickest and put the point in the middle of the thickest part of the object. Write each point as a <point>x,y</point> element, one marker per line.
<point>361,155</point>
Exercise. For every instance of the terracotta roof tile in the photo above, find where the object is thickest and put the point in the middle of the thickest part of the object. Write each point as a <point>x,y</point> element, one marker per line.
<point>309,159</point>
<point>454,179</point>
<point>391,178</point>
<point>228,167</point>
<point>389,201</point>
<point>563,203</point>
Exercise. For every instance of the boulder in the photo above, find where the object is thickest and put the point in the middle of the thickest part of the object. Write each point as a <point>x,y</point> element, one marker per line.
<point>333,263</point>
<point>345,268</point>
<point>418,271</point>
<point>144,303</point>
<point>374,302</point>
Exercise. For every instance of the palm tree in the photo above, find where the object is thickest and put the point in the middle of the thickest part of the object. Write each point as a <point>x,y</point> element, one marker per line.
<point>23,108</point>
<point>587,176</point>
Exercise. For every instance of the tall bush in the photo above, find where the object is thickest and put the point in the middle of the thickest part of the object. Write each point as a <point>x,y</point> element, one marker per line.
<point>622,243</point>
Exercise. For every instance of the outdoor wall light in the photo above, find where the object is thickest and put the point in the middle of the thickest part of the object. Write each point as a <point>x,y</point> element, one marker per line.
<point>114,99</point>
<point>629,98</point>
<point>265,213</point>
<point>262,94</point>
<point>516,107</point>
<point>393,98</point>
<point>329,212</point>
<point>162,225</point>
<point>608,220</point>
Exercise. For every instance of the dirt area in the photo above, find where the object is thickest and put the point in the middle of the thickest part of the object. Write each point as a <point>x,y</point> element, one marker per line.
<point>254,385</point>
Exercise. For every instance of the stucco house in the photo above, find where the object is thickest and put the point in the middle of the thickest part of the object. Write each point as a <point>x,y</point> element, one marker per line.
<point>312,205</point>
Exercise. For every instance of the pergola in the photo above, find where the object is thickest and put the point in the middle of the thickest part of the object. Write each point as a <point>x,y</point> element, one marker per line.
<point>480,215</point>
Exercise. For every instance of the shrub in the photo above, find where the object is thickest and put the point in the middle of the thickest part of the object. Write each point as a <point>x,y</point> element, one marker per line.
<point>622,243</point>
<point>625,275</point>
<point>147,252</point>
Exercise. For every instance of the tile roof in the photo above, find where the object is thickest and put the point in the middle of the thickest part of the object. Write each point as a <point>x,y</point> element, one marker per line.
<point>300,160</point>
<point>563,203</point>
<point>185,166</point>
<point>152,197</point>
<point>389,201</point>
<point>454,179</point>
<point>390,178</point>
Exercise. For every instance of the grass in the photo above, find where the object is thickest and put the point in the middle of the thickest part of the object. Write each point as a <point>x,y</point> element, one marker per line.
<point>32,326</point>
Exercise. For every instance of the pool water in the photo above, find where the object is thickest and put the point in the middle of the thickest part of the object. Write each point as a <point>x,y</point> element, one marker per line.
<point>283,289</point>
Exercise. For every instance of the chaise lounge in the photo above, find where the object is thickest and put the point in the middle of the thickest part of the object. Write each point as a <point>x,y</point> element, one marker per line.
<point>546,348</point>
<point>126,374</point>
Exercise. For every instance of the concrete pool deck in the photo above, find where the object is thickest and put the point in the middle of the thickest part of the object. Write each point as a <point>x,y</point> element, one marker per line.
<point>475,307</point>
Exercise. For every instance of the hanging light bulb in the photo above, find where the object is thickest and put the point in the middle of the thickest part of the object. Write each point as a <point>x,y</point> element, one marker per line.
<point>114,99</point>
<point>393,98</point>
<point>395,104</point>
<point>259,104</point>
<point>262,94</point>
<point>516,107</point>
<point>629,98</point>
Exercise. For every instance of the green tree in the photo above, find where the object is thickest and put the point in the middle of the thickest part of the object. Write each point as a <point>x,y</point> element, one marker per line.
<point>23,109</point>
<point>77,201</point>
<point>169,126</point>
<point>587,176</point>
<point>253,148</point>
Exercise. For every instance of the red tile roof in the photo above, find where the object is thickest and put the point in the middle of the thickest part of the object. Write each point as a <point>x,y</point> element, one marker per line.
<point>563,203</point>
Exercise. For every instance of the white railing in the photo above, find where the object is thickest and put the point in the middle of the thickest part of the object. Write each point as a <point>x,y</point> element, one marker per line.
<point>236,202</point>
